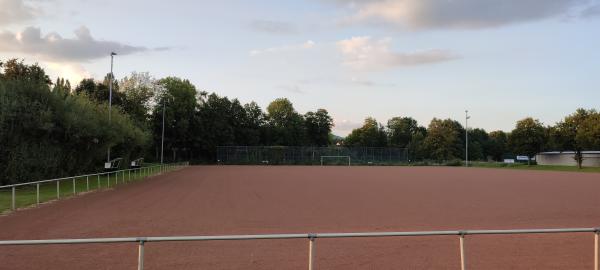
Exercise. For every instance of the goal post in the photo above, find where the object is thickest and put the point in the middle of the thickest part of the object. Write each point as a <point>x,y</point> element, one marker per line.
<point>335,157</point>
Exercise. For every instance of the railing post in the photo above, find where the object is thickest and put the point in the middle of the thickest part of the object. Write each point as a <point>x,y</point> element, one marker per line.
<point>596,234</point>
<point>311,251</point>
<point>87,183</point>
<point>108,180</point>
<point>13,204</point>
<point>98,176</point>
<point>141,255</point>
<point>74,189</point>
<point>463,261</point>
<point>37,193</point>
<point>58,189</point>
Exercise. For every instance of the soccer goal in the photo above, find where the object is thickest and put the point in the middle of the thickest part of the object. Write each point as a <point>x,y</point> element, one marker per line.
<point>336,158</point>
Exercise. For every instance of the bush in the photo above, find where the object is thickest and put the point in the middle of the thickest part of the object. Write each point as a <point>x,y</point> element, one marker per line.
<point>45,134</point>
<point>454,162</point>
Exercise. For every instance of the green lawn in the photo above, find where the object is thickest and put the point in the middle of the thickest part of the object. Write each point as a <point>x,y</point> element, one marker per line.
<point>27,195</point>
<point>535,167</point>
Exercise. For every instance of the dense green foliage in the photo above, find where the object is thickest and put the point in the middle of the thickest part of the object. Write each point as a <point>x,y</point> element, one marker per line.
<point>50,129</point>
<point>444,140</point>
<point>46,132</point>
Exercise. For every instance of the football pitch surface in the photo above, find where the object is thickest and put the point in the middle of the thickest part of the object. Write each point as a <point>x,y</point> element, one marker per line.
<point>224,200</point>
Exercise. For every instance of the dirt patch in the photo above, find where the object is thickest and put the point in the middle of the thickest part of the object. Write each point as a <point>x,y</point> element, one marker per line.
<point>215,200</point>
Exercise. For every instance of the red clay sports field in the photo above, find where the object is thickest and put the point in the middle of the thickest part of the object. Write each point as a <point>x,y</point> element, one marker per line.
<point>223,200</point>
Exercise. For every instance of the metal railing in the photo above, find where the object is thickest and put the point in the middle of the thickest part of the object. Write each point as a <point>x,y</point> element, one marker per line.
<point>125,176</point>
<point>312,237</point>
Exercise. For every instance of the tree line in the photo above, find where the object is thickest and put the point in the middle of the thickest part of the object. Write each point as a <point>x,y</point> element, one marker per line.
<point>444,139</point>
<point>53,128</point>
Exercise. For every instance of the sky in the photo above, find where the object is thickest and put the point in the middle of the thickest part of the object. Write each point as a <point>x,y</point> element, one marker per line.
<point>502,60</point>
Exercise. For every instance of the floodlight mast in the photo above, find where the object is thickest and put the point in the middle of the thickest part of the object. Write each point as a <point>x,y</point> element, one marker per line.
<point>467,138</point>
<point>110,84</point>
<point>162,142</point>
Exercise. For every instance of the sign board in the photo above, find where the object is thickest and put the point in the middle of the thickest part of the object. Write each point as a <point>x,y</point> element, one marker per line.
<point>522,158</point>
<point>509,160</point>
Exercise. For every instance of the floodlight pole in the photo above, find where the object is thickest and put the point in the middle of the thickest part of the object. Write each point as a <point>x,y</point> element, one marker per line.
<point>467,137</point>
<point>110,84</point>
<point>162,143</point>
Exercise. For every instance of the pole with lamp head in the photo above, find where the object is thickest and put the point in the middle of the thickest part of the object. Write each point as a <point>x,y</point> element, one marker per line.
<point>467,117</point>
<point>110,85</point>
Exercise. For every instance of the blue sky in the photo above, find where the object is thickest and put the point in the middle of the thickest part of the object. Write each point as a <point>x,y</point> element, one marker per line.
<point>502,60</point>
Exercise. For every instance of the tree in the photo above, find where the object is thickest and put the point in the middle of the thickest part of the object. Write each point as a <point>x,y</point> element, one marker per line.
<point>48,133</point>
<point>18,70</point>
<point>444,140</point>
<point>254,122</point>
<point>318,126</point>
<point>528,137</point>
<point>588,134</point>
<point>479,144</point>
<point>62,87</point>
<point>287,124</point>
<point>497,145</point>
<point>401,130</point>
<point>100,91</point>
<point>565,134</point>
<point>415,147</point>
<point>138,93</point>
<point>371,134</point>
<point>179,102</point>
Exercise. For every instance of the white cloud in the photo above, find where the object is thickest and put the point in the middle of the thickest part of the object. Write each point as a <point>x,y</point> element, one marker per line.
<point>344,127</point>
<point>364,53</point>
<point>53,47</point>
<point>16,11</point>
<point>469,14</point>
<point>273,27</point>
<point>309,44</point>
<point>71,71</point>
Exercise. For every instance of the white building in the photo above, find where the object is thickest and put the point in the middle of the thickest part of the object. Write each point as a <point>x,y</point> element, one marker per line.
<point>590,158</point>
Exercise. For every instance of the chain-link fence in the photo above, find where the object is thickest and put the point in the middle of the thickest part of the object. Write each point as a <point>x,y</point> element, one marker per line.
<point>305,155</point>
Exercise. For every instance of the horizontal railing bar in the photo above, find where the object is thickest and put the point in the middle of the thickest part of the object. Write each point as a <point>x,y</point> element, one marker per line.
<point>77,176</point>
<point>292,236</point>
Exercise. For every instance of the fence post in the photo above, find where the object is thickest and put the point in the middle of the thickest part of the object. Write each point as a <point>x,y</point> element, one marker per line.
<point>141,255</point>
<point>108,180</point>
<point>74,189</point>
<point>596,234</point>
<point>37,193</point>
<point>58,189</point>
<point>462,252</point>
<point>13,205</point>
<point>87,183</point>
<point>98,181</point>
<point>311,251</point>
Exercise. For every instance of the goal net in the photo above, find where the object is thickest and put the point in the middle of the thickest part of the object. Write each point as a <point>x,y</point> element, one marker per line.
<point>335,160</point>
